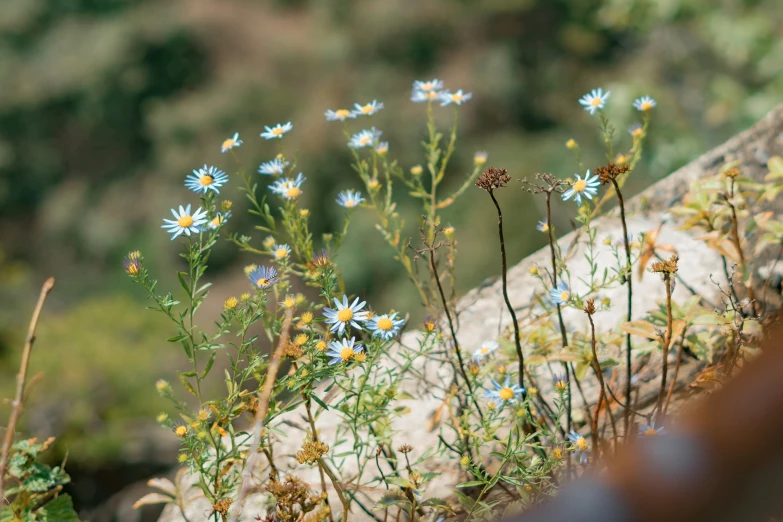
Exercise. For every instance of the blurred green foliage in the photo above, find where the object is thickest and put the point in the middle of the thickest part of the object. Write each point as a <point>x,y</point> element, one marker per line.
<point>105,106</point>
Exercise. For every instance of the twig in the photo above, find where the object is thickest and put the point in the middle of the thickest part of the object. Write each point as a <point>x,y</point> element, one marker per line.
<point>21,377</point>
<point>265,395</point>
<point>666,342</point>
<point>676,370</point>
<point>336,483</point>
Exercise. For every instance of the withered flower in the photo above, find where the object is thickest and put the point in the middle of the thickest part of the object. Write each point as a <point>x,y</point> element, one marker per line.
<point>311,452</point>
<point>611,171</point>
<point>493,178</point>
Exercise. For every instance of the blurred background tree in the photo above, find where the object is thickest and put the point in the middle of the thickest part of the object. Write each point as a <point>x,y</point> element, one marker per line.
<point>106,105</point>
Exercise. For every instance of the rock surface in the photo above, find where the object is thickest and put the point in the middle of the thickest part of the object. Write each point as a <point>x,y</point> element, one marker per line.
<point>482,313</point>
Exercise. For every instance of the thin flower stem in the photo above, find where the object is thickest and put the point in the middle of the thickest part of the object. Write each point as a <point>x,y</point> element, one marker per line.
<point>738,245</point>
<point>666,342</point>
<point>602,394</point>
<point>21,378</point>
<point>503,267</point>
<point>314,430</point>
<point>340,493</point>
<point>563,334</point>
<point>676,371</point>
<point>629,281</point>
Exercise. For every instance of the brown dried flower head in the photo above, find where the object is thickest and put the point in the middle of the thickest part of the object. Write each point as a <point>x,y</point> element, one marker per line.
<point>493,178</point>
<point>732,173</point>
<point>222,506</point>
<point>405,448</point>
<point>590,307</point>
<point>293,350</point>
<point>667,267</point>
<point>294,499</point>
<point>611,171</point>
<point>311,452</point>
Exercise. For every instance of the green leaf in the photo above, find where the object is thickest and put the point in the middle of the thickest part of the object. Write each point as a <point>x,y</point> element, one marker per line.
<point>210,362</point>
<point>58,510</point>
<point>393,498</point>
<point>321,403</point>
<point>177,338</point>
<point>470,484</point>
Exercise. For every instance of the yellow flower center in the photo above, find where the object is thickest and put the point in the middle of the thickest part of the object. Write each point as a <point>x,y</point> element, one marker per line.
<point>385,324</point>
<point>545,228</point>
<point>365,140</point>
<point>133,269</point>
<point>360,357</point>
<point>429,326</point>
<point>307,317</point>
<point>181,431</point>
<point>342,113</point>
<point>557,454</point>
<point>231,302</point>
<point>638,132</point>
<point>262,282</point>
<point>185,221</point>
<point>228,143</point>
<point>580,185</point>
<point>431,95</point>
<point>646,106</point>
<point>456,97</point>
<point>206,180</point>
<point>565,295</point>
<point>506,393</point>
<point>289,302</point>
<point>373,183</point>
<point>350,203</point>
<point>215,221</point>
<point>650,432</point>
<point>367,109</point>
<point>300,339</point>
<point>280,253</point>
<point>581,444</point>
<point>293,192</point>
<point>484,350</point>
<point>345,315</point>
<point>277,131</point>
<point>595,102</point>
<point>479,160</point>
<point>346,354</point>
<point>427,86</point>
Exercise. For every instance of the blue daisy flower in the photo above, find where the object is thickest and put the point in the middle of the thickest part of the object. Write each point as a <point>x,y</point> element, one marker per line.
<point>560,294</point>
<point>486,348</point>
<point>219,220</point>
<point>231,143</point>
<point>366,138</point>
<point>505,393</point>
<point>263,277</point>
<point>185,222</point>
<point>594,100</point>
<point>385,326</point>
<point>277,131</point>
<point>542,226</point>
<point>343,351</point>
<point>636,130</point>
<point>350,198</point>
<point>581,446</point>
<point>338,115</point>
<point>651,430</point>
<point>281,251</point>
<point>428,86</point>
<point>274,167</point>
<point>206,179</point>
<point>345,315</point>
<point>425,96</point>
<point>587,187</point>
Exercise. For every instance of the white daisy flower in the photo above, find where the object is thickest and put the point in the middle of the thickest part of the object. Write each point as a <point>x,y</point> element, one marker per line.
<point>368,109</point>
<point>185,222</point>
<point>277,131</point>
<point>365,138</point>
<point>594,100</point>
<point>287,187</point>
<point>349,199</point>
<point>274,167</point>
<point>345,316</point>
<point>382,148</point>
<point>281,251</point>
<point>219,220</point>
<point>425,96</point>
<point>644,104</point>
<point>385,326</point>
<point>230,143</point>
<point>338,115</point>
<point>206,179</point>
<point>480,157</point>
<point>428,86</point>
<point>587,187</point>
<point>457,98</point>
<point>542,226</point>
<point>486,348</point>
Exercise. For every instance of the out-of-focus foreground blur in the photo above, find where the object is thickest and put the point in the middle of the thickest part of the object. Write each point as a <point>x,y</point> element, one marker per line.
<point>105,106</point>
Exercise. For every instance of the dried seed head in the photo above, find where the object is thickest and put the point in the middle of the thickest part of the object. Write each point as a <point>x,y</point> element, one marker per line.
<point>667,267</point>
<point>589,307</point>
<point>293,350</point>
<point>222,506</point>
<point>611,171</point>
<point>311,452</point>
<point>493,178</point>
<point>405,448</point>
<point>732,173</point>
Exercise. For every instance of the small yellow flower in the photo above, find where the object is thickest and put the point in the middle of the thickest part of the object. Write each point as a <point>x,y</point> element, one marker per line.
<point>621,159</point>
<point>492,405</point>
<point>280,156</point>
<point>571,144</point>
<point>203,415</point>
<point>304,212</point>
<point>300,339</point>
<point>245,296</point>
<point>533,270</point>
<point>161,418</point>
<point>162,385</point>
<point>307,317</point>
<point>202,434</point>
<point>501,369</point>
<point>288,302</point>
<point>608,241</point>
<point>226,205</point>
<point>448,232</point>
<point>182,458</point>
<point>300,299</point>
<point>373,184</point>
<point>532,390</point>
<point>269,242</point>
<point>181,430</point>
<point>360,357</point>
<point>231,303</point>
<point>320,345</point>
<point>249,268</point>
<point>464,461</point>
<point>416,170</point>
<point>557,453</point>
<point>480,158</point>
<point>606,302</point>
